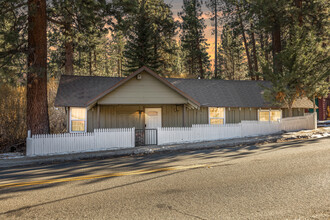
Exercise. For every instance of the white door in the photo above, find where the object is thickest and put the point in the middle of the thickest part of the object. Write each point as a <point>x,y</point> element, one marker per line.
<point>153,117</point>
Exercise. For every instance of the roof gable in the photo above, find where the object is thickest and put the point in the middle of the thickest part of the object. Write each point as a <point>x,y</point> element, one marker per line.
<point>150,72</point>
<point>145,90</point>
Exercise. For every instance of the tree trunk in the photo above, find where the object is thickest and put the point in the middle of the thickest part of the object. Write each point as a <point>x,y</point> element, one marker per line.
<point>37,106</point>
<point>90,63</point>
<point>298,4</point>
<point>290,108</point>
<point>314,104</point>
<point>245,43</point>
<point>201,70</point>
<point>290,111</point>
<point>254,53</point>
<point>68,44</point>
<point>276,40</point>
<point>215,40</point>
<point>266,48</point>
<point>68,57</point>
<point>95,60</point>
<point>118,67</point>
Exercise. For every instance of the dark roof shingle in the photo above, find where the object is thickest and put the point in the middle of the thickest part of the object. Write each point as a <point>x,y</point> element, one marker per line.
<point>77,91</point>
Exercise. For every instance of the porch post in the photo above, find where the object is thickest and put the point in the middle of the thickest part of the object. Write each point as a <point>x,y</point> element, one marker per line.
<point>98,116</point>
<point>184,115</point>
<point>67,111</point>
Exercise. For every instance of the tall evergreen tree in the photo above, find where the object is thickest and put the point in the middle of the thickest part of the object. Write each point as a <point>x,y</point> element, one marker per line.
<point>231,55</point>
<point>192,37</point>
<point>13,41</point>
<point>75,24</point>
<point>149,35</point>
<point>37,104</point>
<point>214,7</point>
<point>305,67</point>
<point>139,50</point>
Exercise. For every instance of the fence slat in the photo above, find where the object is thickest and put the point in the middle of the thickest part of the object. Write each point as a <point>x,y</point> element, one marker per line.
<point>118,138</point>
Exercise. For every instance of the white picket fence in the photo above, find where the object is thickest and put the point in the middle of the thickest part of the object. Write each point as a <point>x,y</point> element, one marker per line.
<point>100,139</point>
<point>198,133</point>
<point>119,138</point>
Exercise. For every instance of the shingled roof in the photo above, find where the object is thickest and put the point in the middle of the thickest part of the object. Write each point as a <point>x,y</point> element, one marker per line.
<point>78,91</point>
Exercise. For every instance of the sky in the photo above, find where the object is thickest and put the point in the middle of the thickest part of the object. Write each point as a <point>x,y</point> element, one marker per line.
<point>177,6</point>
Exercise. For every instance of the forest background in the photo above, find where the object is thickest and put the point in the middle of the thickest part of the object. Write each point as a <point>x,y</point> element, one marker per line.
<point>285,42</point>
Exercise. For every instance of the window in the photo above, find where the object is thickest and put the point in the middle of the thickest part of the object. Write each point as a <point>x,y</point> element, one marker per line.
<point>78,119</point>
<point>270,115</point>
<point>216,116</point>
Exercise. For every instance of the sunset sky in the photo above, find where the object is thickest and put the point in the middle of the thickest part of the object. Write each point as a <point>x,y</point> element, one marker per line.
<point>177,6</point>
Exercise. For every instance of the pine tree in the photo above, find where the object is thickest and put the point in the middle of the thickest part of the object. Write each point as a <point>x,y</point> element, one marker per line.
<point>192,37</point>
<point>305,66</point>
<point>13,41</point>
<point>149,28</point>
<point>231,55</point>
<point>139,50</point>
<point>37,105</point>
<point>214,7</point>
<point>74,24</point>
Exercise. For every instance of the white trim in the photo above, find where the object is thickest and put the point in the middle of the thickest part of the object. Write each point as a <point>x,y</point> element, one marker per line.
<point>269,111</point>
<point>70,119</point>
<point>224,114</point>
<point>150,109</point>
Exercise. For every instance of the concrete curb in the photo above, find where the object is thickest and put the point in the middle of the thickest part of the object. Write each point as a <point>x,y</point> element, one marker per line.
<point>27,161</point>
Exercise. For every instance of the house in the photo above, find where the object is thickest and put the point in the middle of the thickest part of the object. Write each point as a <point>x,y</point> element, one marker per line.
<point>146,100</point>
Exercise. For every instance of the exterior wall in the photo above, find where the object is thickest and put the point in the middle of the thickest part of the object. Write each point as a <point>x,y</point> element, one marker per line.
<point>295,112</point>
<point>147,90</point>
<point>323,105</point>
<point>236,115</point>
<point>197,116</point>
<point>128,116</point>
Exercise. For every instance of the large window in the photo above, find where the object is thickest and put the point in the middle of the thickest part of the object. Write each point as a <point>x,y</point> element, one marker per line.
<point>270,115</point>
<point>216,116</point>
<point>78,119</point>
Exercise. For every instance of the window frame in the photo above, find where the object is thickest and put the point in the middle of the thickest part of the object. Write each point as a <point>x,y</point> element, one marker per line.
<point>224,115</point>
<point>269,113</point>
<point>70,121</point>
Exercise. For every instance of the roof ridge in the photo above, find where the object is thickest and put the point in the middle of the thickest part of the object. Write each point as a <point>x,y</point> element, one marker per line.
<point>66,75</point>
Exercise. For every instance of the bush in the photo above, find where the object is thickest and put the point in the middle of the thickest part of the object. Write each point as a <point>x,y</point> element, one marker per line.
<point>13,116</point>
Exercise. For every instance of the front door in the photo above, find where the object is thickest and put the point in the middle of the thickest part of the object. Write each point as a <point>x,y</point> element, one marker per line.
<point>153,118</point>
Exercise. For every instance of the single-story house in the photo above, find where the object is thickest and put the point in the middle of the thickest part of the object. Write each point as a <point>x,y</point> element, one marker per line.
<point>146,100</point>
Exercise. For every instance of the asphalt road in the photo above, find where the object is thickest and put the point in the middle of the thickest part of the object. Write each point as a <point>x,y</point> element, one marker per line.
<point>275,181</point>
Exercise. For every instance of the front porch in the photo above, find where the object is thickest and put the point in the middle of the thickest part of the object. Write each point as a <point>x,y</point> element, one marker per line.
<point>144,116</point>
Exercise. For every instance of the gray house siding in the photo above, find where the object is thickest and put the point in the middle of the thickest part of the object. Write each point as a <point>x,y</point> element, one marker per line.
<point>128,116</point>
<point>236,115</point>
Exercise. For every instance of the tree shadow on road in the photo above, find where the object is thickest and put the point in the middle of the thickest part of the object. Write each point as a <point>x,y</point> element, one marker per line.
<point>131,163</point>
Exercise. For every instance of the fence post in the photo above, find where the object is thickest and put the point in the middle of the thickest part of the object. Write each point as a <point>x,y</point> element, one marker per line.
<point>314,121</point>
<point>133,137</point>
<point>29,144</point>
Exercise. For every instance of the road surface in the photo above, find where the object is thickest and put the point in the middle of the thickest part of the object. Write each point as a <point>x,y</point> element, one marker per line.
<point>275,181</point>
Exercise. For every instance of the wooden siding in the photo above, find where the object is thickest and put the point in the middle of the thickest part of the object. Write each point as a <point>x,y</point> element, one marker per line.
<point>236,115</point>
<point>147,90</point>
<point>195,116</point>
<point>128,116</point>
<point>295,112</point>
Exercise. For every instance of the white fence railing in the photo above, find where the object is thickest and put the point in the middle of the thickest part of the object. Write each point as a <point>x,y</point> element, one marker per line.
<point>100,139</point>
<point>198,133</point>
<point>119,138</point>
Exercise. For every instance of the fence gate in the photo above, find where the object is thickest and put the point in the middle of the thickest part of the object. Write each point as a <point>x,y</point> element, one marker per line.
<point>144,137</point>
